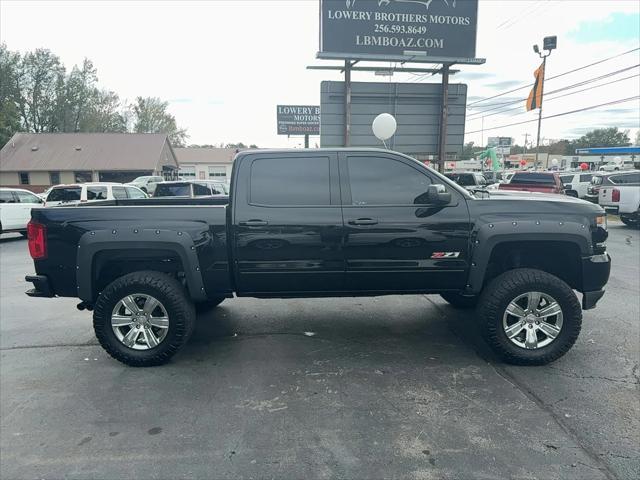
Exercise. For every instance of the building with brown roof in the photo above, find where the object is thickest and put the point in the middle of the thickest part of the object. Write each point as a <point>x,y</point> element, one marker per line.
<point>203,163</point>
<point>38,160</point>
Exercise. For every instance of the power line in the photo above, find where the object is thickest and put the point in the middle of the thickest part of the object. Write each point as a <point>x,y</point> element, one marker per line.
<point>497,106</point>
<point>558,96</point>
<point>527,11</point>
<point>637,97</point>
<point>555,76</point>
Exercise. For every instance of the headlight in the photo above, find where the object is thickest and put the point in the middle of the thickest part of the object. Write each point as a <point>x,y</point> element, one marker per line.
<point>601,221</point>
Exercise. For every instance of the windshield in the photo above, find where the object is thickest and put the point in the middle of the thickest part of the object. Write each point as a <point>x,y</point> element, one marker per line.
<point>173,190</point>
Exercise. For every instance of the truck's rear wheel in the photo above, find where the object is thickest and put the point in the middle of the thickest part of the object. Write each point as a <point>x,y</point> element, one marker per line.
<point>529,317</point>
<point>143,318</point>
<point>459,301</point>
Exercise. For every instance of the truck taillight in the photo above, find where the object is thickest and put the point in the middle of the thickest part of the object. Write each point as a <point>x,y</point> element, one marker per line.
<point>37,238</point>
<point>615,195</point>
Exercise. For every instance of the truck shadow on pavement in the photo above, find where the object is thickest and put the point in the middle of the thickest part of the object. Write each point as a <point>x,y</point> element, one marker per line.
<point>414,323</point>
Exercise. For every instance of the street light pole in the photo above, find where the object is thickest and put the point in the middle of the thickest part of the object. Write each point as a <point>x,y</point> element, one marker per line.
<point>549,44</point>
<point>544,72</point>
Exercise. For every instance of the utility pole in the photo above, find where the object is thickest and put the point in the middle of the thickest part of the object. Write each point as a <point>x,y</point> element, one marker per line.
<point>444,112</point>
<point>549,44</point>
<point>526,136</point>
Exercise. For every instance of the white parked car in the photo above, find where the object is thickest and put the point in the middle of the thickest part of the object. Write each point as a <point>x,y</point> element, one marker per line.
<point>146,183</point>
<point>90,192</point>
<point>576,183</point>
<point>622,196</point>
<point>15,209</point>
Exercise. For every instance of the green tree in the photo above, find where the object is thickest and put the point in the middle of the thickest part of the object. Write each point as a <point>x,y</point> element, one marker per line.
<point>151,116</point>
<point>40,80</point>
<point>104,114</point>
<point>602,137</point>
<point>9,115</point>
<point>80,94</point>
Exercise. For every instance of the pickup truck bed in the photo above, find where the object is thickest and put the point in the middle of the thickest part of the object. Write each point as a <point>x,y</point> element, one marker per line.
<point>318,223</point>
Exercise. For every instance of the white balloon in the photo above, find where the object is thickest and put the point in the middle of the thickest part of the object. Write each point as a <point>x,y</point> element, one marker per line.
<point>384,126</point>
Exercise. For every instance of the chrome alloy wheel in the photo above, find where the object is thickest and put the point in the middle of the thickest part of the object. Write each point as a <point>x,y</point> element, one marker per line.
<point>532,320</point>
<point>140,321</point>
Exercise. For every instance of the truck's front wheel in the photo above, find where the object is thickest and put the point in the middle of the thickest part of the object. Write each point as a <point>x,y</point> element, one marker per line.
<point>143,318</point>
<point>529,317</point>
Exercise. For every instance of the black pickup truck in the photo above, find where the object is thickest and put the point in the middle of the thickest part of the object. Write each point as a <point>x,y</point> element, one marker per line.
<point>323,223</point>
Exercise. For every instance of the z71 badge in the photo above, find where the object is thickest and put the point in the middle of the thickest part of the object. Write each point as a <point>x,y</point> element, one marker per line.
<point>445,254</point>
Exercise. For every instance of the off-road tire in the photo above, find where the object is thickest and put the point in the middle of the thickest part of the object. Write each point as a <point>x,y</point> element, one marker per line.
<point>202,307</point>
<point>169,292</point>
<point>459,301</point>
<point>504,288</point>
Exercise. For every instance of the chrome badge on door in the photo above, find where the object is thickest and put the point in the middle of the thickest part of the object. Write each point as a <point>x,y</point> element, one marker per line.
<point>445,254</point>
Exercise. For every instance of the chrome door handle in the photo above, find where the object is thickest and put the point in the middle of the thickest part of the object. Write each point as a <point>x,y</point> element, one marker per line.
<point>363,221</point>
<point>254,223</point>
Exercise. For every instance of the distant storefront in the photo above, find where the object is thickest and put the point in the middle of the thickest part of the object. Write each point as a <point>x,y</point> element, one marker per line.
<point>36,161</point>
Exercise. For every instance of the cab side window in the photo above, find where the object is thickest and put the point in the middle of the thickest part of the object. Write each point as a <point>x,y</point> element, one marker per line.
<point>96,193</point>
<point>384,181</point>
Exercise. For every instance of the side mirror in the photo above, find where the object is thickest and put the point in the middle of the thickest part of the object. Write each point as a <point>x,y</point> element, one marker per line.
<point>437,194</point>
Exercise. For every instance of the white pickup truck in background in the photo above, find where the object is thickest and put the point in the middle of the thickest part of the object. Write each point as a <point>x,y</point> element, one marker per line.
<point>622,197</point>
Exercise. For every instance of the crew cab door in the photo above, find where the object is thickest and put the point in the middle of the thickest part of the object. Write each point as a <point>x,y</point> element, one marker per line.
<point>287,224</point>
<point>395,240</point>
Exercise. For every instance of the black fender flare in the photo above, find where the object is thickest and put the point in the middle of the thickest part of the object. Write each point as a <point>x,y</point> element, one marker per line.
<point>96,241</point>
<point>489,235</point>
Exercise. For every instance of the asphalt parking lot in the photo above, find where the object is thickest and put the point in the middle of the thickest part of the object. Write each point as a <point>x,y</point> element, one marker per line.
<point>394,387</point>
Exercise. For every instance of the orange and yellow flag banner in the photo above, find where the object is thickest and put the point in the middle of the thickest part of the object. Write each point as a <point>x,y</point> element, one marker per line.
<point>535,97</point>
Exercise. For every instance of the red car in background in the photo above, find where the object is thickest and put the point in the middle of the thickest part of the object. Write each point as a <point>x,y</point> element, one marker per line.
<point>543,182</point>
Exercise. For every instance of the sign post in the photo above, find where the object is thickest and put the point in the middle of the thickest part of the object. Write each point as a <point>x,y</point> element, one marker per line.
<point>299,120</point>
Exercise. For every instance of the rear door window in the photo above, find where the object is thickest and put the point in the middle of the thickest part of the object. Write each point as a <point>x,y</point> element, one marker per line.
<point>119,193</point>
<point>586,177</point>
<point>290,181</point>
<point>65,194</point>
<point>96,193</point>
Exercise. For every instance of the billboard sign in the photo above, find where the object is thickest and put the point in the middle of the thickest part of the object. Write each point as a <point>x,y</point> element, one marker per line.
<point>399,30</point>
<point>493,142</point>
<point>298,120</point>
<point>415,106</point>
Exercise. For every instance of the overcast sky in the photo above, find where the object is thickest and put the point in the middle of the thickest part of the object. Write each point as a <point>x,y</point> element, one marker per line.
<point>225,65</point>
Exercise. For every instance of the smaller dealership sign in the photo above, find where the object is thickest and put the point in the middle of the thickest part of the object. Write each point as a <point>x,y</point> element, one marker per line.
<point>298,120</point>
<point>499,142</point>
